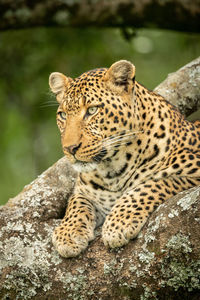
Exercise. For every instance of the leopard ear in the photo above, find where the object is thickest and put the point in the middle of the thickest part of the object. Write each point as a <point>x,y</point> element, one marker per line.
<point>58,83</point>
<point>121,76</point>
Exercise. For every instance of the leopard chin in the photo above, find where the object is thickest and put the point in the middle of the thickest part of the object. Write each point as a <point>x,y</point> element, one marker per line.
<point>84,167</point>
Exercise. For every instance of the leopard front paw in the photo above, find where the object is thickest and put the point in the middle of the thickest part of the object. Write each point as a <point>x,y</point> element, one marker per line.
<point>118,234</point>
<point>71,244</point>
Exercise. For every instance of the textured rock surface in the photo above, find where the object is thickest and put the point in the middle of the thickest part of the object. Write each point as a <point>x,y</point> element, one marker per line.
<point>162,263</point>
<point>182,88</point>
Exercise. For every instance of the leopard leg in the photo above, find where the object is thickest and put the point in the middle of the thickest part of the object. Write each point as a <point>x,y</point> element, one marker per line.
<point>72,236</point>
<point>132,210</point>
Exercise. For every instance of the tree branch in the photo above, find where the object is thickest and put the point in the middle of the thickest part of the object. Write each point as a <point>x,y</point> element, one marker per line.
<point>181,15</point>
<point>162,263</point>
<point>182,88</point>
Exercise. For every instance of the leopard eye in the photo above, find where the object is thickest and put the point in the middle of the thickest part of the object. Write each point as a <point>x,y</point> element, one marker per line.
<point>62,114</point>
<point>92,110</point>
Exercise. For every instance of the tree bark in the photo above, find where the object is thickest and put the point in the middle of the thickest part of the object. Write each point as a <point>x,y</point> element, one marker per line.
<point>181,15</point>
<point>182,88</point>
<point>162,263</point>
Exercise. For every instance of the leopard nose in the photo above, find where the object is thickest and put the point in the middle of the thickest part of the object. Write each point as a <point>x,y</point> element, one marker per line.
<point>73,148</point>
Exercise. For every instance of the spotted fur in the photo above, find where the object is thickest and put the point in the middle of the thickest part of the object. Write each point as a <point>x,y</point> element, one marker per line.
<point>133,150</point>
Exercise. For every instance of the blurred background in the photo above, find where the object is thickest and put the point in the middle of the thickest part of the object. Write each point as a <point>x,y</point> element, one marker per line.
<point>29,138</point>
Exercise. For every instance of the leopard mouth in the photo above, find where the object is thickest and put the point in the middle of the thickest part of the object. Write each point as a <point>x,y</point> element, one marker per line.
<point>88,166</point>
<point>84,167</point>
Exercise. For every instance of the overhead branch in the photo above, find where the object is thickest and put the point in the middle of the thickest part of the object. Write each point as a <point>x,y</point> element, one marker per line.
<point>181,15</point>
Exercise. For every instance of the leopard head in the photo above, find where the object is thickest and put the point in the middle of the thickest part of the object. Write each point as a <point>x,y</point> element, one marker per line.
<point>94,109</point>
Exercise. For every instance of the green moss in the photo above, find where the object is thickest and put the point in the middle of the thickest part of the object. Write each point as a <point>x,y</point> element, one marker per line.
<point>178,274</point>
<point>27,254</point>
<point>173,213</point>
<point>74,285</point>
<point>146,256</point>
<point>179,243</point>
<point>187,201</point>
<point>178,269</point>
<point>148,294</point>
<point>113,267</point>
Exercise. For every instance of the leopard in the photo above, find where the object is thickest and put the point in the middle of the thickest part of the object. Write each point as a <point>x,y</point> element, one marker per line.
<point>131,148</point>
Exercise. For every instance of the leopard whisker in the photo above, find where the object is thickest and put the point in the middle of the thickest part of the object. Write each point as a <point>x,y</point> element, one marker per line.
<point>110,147</point>
<point>117,140</point>
<point>121,137</point>
<point>119,134</point>
<point>49,103</point>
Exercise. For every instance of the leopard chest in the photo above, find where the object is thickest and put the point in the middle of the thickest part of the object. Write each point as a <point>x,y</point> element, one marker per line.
<point>109,182</point>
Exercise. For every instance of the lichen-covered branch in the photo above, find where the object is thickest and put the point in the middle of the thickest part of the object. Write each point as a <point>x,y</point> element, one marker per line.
<point>182,88</point>
<point>180,15</point>
<point>162,263</point>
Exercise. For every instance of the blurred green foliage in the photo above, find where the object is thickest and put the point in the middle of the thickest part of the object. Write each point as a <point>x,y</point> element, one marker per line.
<point>30,141</point>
